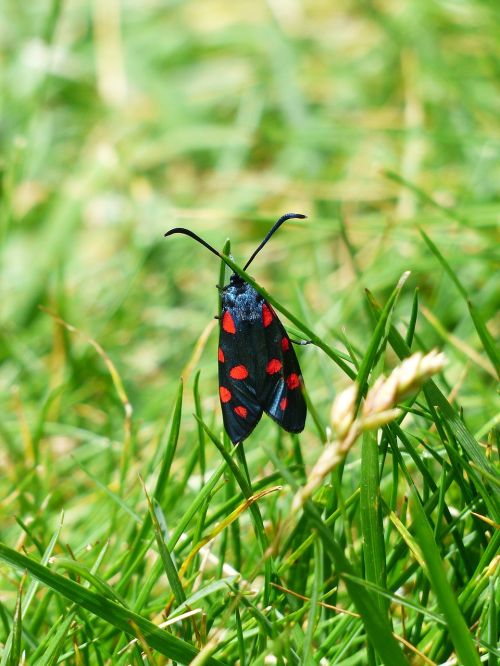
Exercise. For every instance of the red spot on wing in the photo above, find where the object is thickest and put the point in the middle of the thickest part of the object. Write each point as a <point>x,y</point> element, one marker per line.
<point>228,322</point>
<point>274,366</point>
<point>267,315</point>
<point>238,372</point>
<point>241,411</point>
<point>225,394</point>
<point>283,404</point>
<point>222,358</point>
<point>293,381</point>
<point>285,344</point>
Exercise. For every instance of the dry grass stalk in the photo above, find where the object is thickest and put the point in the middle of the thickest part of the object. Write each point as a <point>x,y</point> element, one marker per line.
<point>379,408</point>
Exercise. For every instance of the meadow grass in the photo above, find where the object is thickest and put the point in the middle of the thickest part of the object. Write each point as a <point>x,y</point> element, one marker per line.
<point>123,505</point>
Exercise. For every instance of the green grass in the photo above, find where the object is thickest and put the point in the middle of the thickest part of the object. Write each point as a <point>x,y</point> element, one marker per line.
<point>122,502</point>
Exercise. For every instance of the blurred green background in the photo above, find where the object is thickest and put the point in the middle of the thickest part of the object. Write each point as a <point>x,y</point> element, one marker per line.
<point>120,120</point>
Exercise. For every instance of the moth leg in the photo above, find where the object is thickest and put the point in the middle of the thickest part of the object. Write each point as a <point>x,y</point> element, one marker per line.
<point>301,342</point>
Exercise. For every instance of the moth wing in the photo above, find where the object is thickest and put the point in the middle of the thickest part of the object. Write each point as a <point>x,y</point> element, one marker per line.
<point>238,391</point>
<point>241,412</point>
<point>258,371</point>
<point>284,399</point>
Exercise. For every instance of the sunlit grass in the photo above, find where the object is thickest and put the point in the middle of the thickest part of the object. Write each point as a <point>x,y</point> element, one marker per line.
<point>120,121</point>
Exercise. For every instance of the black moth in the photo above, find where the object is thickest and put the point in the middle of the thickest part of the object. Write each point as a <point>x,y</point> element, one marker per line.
<point>258,369</point>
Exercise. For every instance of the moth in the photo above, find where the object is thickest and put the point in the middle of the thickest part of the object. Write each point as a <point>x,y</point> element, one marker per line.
<point>258,368</point>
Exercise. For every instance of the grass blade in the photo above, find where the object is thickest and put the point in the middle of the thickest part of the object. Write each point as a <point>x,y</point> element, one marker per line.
<point>435,397</point>
<point>371,517</point>
<point>315,608</point>
<point>483,333</point>
<point>170,449</point>
<point>109,611</point>
<point>168,563</point>
<point>260,532</point>
<point>459,632</point>
<point>377,627</point>
<point>378,339</point>
<point>13,657</point>
<point>56,644</point>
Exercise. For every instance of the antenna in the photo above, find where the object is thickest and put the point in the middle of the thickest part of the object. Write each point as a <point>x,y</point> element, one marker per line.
<point>191,234</point>
<point>276,226</point>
